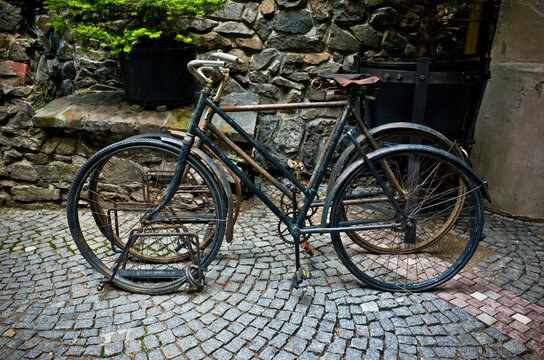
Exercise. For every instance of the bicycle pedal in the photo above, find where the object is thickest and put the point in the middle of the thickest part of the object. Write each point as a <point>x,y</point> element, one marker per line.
<point>308,248</point>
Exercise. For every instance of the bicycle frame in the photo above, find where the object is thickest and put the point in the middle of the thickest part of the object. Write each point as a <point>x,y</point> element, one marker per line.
<point>295,227</point>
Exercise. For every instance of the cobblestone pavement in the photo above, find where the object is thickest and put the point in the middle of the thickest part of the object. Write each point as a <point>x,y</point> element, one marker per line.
<point>50,308</point>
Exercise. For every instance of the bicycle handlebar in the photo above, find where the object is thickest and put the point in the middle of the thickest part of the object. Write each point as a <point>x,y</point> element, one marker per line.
<point>196,67</point>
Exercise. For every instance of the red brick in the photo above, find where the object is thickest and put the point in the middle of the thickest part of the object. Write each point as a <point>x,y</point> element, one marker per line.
<point>474,302</point>
<point>494,288</point>
<point>519,326</point>
<point>521,309</point>
<point>462,296</point>
<point>491,303</point>
<point>506,302</point>
<point>468,275</point>
<point>466,281</point>
<point>12,68</point>
<point>536,347</point>
<point>519,336</point>
<point>489,310</point>
<point>536,317</point>
<point>536,308</point>
<point>536,335</point>
<point>445,295</point>
<point>502,317</point>
<point>459,303</point>
<point>472,310</point>
<point>507,294</point>
<point>493,295</point>
<point>502,327</point>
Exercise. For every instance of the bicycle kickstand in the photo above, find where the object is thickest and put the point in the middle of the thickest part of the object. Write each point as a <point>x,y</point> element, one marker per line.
<point>300,273</point>
<point>121,261</point>
<point>298,278</point>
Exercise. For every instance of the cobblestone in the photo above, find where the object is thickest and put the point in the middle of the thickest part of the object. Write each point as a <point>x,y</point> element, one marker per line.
<point>50,308</point>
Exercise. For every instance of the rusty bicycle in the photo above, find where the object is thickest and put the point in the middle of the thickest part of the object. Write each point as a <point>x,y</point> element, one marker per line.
<point>403,208</point>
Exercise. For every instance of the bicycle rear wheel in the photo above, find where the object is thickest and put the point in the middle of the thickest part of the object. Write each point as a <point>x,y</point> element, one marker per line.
<point>121,183</point>
<point>435,183</point>
<point>387,136</point>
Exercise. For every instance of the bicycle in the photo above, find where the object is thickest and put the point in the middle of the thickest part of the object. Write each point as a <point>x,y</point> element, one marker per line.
<point>150,212</point>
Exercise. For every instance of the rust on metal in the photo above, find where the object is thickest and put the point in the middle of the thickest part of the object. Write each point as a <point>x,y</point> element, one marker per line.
<point>290,106</point>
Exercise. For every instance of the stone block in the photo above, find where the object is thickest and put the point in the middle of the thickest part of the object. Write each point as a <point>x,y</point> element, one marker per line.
<point>367,35</point>
<point>297,43</point>
<point>263,59</point>
<point>293,22</point>
<point>348,13</point>
<point>320,10</point>
<point>151,121</point>
<point>250,13</point>
<point>231,11</point>
<point>316,58</point>
<point>30,193</point>
<point>268,7</point>
<point>48,115</point>
<point>25,172</point>
<point>247,120</point>
<point>291,4</point>
<point>384,17</point>
<point>253,43</point>
<point>342,41</point>
<point>213,41</point>
<point>10,17</point>
<point>234,29</point>
<point>179,119</point>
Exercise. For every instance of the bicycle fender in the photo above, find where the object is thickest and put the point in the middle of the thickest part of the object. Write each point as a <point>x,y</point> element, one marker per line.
<point>423,148</point>
<point>201,155</point>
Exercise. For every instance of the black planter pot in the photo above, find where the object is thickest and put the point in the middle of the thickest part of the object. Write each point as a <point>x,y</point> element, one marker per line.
<point>159,76</point>
<point>443,95</point>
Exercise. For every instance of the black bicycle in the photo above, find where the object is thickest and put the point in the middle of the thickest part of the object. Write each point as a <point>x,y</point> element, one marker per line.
<point>404,210</point>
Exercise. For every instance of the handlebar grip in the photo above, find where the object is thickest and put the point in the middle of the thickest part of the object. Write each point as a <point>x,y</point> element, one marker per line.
<point>228,57</point>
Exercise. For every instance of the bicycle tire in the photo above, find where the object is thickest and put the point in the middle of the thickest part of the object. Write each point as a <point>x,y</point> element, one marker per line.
<point>118,185</point>
<point>436,181</point>
<point>391,135</point>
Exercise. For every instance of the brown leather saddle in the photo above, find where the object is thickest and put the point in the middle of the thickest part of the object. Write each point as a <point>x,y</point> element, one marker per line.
<point>351,80</point>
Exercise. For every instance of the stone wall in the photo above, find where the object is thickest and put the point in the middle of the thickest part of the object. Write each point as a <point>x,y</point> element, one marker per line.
<point>282,43</point>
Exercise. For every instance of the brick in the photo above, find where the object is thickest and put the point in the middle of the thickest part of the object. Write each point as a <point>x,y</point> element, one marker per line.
<point>520,309</point>
<point>519,336</point>
<point>536,347</point>
<point>478,296</point>
<point>502,327</point>
<point>506,310</point>
<point>489,310</point>
<point>459,303</point>
<point>473,310</point>
<point>521,318</point>
<point>502,317</point>
<point>12,68</point>
<point>493,295</point>
<point>519,326</point>
<point>485,318</point>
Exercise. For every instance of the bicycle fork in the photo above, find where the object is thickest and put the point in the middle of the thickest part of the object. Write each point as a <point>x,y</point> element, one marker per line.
<point>188,142</point>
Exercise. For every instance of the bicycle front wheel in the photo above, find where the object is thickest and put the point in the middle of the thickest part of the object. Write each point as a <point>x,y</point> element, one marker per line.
<point>434,184</point>
<point>120,184</point>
